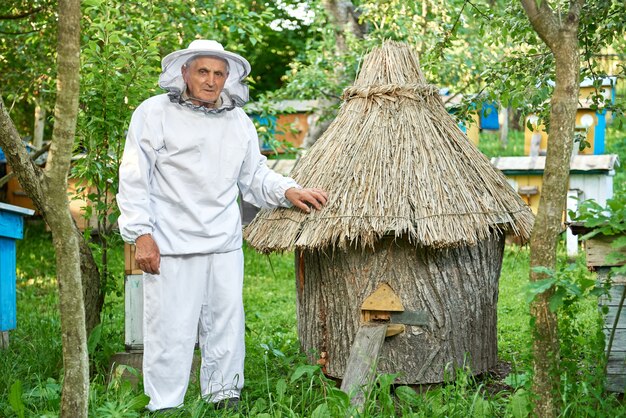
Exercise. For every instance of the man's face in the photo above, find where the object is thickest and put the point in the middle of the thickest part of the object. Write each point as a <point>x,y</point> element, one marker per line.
<point>205,78</point>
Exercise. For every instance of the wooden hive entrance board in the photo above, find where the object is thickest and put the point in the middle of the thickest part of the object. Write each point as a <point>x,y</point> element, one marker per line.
<point>361,367</point>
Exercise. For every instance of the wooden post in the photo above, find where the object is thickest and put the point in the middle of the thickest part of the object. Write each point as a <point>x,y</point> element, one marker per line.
<point>571,240</point>
<point>133,313</point>
<point>4,340</point>
<point>361,367</point>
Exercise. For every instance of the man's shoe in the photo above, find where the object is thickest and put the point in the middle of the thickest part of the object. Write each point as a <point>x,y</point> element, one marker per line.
<point>228,403</point>
<point>165,412</point>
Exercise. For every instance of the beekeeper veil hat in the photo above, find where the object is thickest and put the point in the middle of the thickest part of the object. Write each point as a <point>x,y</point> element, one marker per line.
<point>235,91</point>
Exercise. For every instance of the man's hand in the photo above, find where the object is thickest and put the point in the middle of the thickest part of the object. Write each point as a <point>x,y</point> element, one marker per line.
<point>147,254</point>
<point>306,198</point>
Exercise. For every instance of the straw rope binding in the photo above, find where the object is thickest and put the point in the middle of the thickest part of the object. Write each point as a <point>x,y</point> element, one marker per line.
<point>410,91</point>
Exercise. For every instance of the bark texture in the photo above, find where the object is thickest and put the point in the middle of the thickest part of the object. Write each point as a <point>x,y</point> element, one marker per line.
<point>457,288</point>
<point>345,17</point>
<point>560,33</point>
<point>75,392</point>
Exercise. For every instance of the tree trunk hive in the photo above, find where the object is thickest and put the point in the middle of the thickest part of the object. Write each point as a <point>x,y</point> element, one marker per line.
<point>412,234</point>
<point>457,289</point>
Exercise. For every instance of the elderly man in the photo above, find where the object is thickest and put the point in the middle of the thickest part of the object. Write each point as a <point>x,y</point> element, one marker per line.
<point>188,155</point>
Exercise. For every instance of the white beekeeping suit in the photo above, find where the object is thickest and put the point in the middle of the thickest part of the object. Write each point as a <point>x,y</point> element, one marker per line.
<point>182,170</point>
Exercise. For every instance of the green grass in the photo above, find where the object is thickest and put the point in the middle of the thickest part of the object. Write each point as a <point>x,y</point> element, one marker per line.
<point>279,382</point>
<point>489,144</point>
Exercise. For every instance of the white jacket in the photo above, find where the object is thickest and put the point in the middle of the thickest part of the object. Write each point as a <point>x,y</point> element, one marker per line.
<point>181,174</point>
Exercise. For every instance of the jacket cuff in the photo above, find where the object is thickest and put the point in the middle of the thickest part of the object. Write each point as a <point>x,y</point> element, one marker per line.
<point>131,236</point>
<point>284,202</point>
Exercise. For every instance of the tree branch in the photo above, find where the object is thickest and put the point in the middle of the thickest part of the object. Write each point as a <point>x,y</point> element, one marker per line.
<point>21,15</point>
<point>19,33</point>
<point>17,156</point>
<point>575,8</point>
<point>543,20</point>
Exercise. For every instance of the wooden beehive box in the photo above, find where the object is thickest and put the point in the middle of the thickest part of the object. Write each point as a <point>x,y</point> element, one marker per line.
<point>597,249</point>
<point>11,229</point>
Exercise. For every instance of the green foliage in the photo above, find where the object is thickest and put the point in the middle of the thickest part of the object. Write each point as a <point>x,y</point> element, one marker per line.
<point>483,51</point>
<point>568,288</point>
<point>580,331</point>
<point>27,46</point>
<point>118,398</point>
<point>15,399</point>
<point>119,70</point>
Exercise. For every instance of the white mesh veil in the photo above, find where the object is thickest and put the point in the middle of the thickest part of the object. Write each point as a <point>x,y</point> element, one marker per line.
<point>235,91</point>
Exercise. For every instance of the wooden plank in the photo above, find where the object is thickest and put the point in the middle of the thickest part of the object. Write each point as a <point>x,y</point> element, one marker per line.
<point>11,225</point>
<point>604,273</point>
<point>616,366</point>
<point>612,304</point>
<point>597,248</point>
<point>133,310</point>
<point>618,355</point>
<point>615,383</point>
<point>4,339</point>
<point>361,367</point>
<point>619,340</point>
<point>614,296</point>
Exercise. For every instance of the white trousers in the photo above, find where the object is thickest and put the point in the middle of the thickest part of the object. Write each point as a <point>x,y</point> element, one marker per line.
<point>194,293</point>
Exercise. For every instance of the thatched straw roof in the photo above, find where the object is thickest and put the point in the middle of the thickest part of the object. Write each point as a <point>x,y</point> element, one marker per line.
<point>394,162</point>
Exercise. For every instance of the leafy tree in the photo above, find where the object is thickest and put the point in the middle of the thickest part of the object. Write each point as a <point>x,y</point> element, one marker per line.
<point>558,28</point>
<point>28,30</point>
<point>119,64</point>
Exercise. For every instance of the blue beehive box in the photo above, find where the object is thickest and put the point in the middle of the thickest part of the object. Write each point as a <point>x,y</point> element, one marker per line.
<point>489,116</point>
<point>11,229</point>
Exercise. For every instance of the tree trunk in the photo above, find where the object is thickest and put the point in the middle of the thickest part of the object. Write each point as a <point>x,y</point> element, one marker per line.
<point>561,36</point>
<point>75,358</point>
<point>345,18</point>
<point>503,118</point>
<point>40,123</point>
<point>456,289</point>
